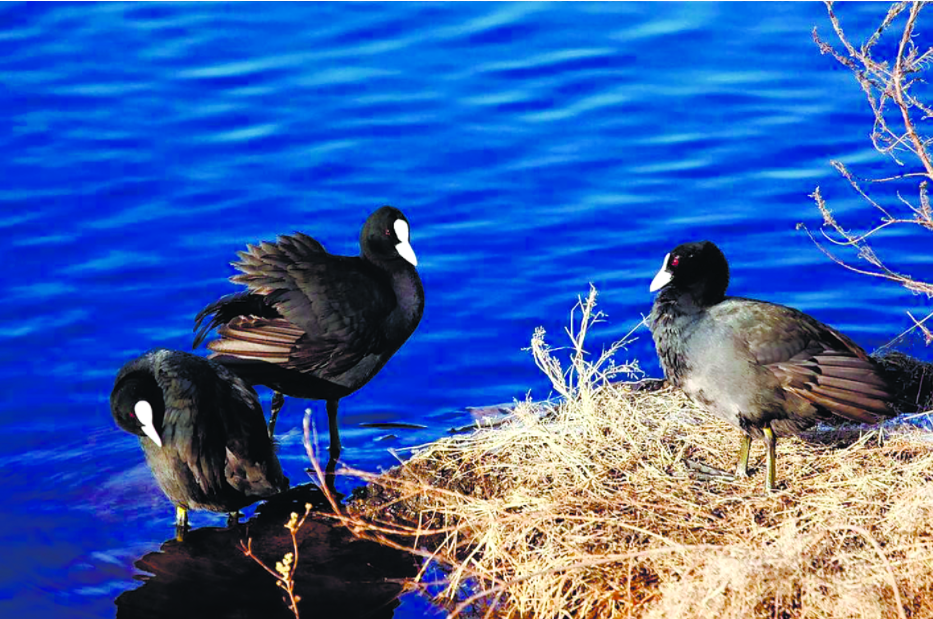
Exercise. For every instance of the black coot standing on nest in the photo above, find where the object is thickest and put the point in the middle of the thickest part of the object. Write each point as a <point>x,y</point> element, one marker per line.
<point>770,370</point>
<point>314,325</point>
<point>202,430</point>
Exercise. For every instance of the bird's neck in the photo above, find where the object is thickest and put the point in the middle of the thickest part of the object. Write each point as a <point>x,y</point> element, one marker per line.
<point>410,293</point>
<point>672,319</point>
<point>674,304</point>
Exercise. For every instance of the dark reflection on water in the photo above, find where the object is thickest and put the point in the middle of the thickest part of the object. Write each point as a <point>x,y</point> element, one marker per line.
<point>207,575</point>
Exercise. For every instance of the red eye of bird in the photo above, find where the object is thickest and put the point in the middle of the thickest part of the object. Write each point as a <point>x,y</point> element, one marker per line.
<point>675,261</point>
<point>388,233</point>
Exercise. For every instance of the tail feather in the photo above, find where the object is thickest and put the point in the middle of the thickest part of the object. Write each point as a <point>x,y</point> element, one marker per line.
<point>857,387</point>
<point>862,412</point>
<point>228,308</point>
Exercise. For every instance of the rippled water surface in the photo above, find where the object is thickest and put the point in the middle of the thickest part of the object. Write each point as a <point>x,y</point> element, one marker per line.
<point>535,148</point>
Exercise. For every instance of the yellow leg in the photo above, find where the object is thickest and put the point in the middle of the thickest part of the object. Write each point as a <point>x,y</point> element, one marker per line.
<point>741,469</point>
<point>181,522</point>
<point>770,444</point>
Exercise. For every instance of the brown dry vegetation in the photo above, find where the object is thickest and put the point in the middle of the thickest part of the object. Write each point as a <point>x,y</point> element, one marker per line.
<point>584,508</point>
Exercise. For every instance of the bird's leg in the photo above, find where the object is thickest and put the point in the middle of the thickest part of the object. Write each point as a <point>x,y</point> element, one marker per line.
<point>333,430</point>
<point>330,478</point>
<point>278,401</point>
<point>233,518</point>
<point>181,522</point>
<point>741,468</point>
<point>770,444</point>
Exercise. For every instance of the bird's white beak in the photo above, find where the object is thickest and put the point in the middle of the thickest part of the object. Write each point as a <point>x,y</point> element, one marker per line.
<point>404,247</point>
<point>144,414</point>
<point>663,278</point>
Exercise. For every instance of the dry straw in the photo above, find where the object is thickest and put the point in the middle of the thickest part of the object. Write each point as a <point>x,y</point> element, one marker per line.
<point>584,508</point>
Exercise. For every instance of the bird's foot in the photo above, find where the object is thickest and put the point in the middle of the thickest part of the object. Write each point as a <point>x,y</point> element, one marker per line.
<point>706,472</point>
<point>648,384</point>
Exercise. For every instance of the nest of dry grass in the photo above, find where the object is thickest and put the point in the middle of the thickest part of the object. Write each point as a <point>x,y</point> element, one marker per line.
<point>584,508</point>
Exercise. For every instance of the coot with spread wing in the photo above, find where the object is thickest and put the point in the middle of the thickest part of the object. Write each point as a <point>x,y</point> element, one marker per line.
<point>316,325</point>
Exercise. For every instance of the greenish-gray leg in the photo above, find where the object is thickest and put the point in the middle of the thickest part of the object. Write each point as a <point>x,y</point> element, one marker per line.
<point>278,401</point>
<point>181,522</point>
<point>770,445</point>
<point>333,430</point>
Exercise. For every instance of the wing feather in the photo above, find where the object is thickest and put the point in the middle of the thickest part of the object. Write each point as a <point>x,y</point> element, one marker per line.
<point>251,464</point>
<point>815,362</point>
<point>191,414</point>
<point>321,313</point>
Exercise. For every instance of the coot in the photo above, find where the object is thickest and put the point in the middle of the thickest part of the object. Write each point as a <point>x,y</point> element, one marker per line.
<point>202,430</point>
<point>768,369</point>
<point>315,325</point>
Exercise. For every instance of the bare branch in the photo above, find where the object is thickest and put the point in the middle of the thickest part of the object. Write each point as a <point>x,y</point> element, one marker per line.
<point>886,85</point>
<point>902,67</point>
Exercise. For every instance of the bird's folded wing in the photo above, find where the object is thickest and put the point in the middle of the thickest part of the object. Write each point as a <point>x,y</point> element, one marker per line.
<point>190,425</point>
<point>823,366</point>
<point>251,464</point>
<point>314,312</point>
<point>842,384</point>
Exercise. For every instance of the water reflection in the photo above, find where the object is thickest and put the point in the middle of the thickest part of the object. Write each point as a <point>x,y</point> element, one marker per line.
<point>207,574</point>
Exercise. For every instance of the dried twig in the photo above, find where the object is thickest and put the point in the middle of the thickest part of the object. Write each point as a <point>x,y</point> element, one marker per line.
<point>284,572</point>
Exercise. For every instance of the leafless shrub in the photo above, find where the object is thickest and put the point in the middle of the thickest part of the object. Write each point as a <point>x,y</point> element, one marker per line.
<point>898,132</point>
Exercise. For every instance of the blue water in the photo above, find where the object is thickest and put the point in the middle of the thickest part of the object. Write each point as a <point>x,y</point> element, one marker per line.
<point>535,148</point>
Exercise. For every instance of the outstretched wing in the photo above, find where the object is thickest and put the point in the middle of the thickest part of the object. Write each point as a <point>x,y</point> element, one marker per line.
<point>319,313</point>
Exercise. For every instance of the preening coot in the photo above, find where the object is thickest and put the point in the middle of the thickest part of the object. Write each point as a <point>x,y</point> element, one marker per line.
<point>314,325</point>
<point>202,430</point>
<point>768,369</point>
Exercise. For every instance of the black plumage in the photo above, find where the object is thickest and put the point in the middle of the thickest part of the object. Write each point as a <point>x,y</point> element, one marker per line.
<point>315,325</point>
<point>202,430</point>
<point>768,369</point>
